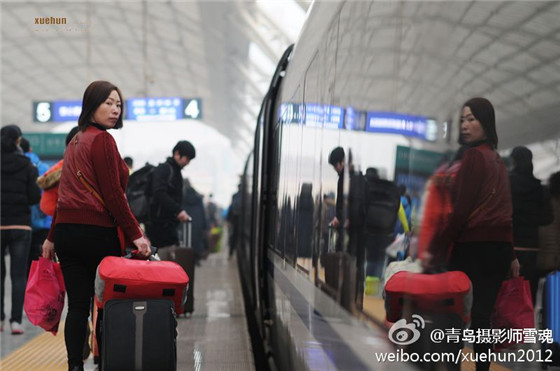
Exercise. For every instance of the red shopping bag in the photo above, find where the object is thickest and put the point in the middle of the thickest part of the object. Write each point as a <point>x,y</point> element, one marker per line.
<point>44,294</point>
<point>514,307</point>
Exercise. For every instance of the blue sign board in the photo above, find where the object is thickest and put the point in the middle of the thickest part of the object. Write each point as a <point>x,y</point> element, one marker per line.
<point>349,118</point>
<point>137,109</point>
<point>354,119</point>
<point>67,110</point>
<point>59,111</point>
<point>314,115</point>
<point>290,113</point>
<point>396,123</point>
<point>154,109</point>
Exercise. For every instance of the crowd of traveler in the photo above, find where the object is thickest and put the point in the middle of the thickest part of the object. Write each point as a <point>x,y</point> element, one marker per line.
<point>499,223</point>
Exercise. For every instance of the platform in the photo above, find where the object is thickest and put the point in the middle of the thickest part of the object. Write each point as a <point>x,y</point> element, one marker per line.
<point>215,337</point>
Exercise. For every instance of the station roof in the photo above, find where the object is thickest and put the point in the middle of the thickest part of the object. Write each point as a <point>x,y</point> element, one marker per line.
<point>223,52</point>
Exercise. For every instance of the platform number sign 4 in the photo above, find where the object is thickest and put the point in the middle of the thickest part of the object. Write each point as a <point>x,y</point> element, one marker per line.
<point>193,109</point>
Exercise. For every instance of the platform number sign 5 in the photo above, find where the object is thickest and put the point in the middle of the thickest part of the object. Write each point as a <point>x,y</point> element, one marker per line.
<point>193,108</point>
<point>42,111</point>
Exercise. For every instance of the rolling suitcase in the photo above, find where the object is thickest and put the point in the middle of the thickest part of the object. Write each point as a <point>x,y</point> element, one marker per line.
<point>185,257</point>
<point>139,335</point>
<point>340,276</point>
<point>408,292</point>
<point>121,278</point>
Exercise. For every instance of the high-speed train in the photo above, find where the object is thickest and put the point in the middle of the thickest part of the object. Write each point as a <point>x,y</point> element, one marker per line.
<point>385,82</point>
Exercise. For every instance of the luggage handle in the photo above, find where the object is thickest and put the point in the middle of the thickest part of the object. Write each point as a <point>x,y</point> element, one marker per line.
<point>329,241</point>
<point>187,236</point>
<point>131,253</point>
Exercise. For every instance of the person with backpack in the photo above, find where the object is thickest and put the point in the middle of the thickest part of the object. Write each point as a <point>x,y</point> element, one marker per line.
<point>531,209</point>
<point>40,222</point>
<point>166,196</point>
<point>382,202</point>
<point>548,259</point>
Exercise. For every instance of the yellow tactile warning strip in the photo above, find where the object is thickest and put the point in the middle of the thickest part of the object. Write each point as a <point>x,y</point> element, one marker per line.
<point>43,353</point>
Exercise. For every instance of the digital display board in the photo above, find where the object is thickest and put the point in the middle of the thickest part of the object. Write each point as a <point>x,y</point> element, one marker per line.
<point>331,117</point>
<point>290,113</point>
<point>137,109</point>
<point>313,115</point>
<point>57,111</point>
<point>67,110</point>
<point>354,119</point>
<point>349,118</point>
<point>154,109</point>
<point>396,123</point>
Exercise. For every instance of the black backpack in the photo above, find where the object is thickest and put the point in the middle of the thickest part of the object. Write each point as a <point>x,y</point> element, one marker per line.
<point>138,192</point>
<point>382,206</point>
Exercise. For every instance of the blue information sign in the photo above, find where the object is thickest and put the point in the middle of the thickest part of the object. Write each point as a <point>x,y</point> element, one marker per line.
<point>137,109</point>
<point>154,109</point>
<point>396,123</point>
<point>58,111</point>
<point>354,119</point>
<point>314,115</point>
<point>67,110</point>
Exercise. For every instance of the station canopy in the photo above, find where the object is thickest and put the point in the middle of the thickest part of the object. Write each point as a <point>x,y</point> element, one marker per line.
<point>224,52</point>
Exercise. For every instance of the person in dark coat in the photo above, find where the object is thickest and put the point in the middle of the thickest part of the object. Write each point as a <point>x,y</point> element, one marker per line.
<point>193,204</point>
<point>531,209</point>
<point>549,236</point>
<point>18,192</point>
<point>233,217</point>
<point>304,225</point>
<point>166,210</point>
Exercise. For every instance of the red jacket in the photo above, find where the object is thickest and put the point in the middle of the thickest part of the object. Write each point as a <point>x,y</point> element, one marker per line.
<point>96,156</point>
<point>482,209</point>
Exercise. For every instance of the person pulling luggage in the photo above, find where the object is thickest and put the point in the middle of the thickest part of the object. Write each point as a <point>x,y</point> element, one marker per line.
<point>166,210</point>
<point>92,218</point>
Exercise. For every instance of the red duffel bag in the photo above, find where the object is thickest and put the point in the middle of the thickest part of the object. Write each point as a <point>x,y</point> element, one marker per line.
<point>408,293</point>
<point>122,278</point>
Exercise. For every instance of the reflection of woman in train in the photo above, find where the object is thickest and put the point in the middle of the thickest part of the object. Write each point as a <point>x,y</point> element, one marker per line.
<point>480,227</point>
<point>84,228</point>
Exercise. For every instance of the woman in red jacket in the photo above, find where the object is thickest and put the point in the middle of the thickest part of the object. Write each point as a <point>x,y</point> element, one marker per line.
<point>91,208</point>
<point>479,230</point>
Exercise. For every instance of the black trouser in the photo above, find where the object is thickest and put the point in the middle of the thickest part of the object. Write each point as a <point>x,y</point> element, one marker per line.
<point>486,264</point>
<point>81,248</point>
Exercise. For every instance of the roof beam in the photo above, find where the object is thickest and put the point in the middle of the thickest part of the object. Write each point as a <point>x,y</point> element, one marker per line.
<point>249,27</point>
